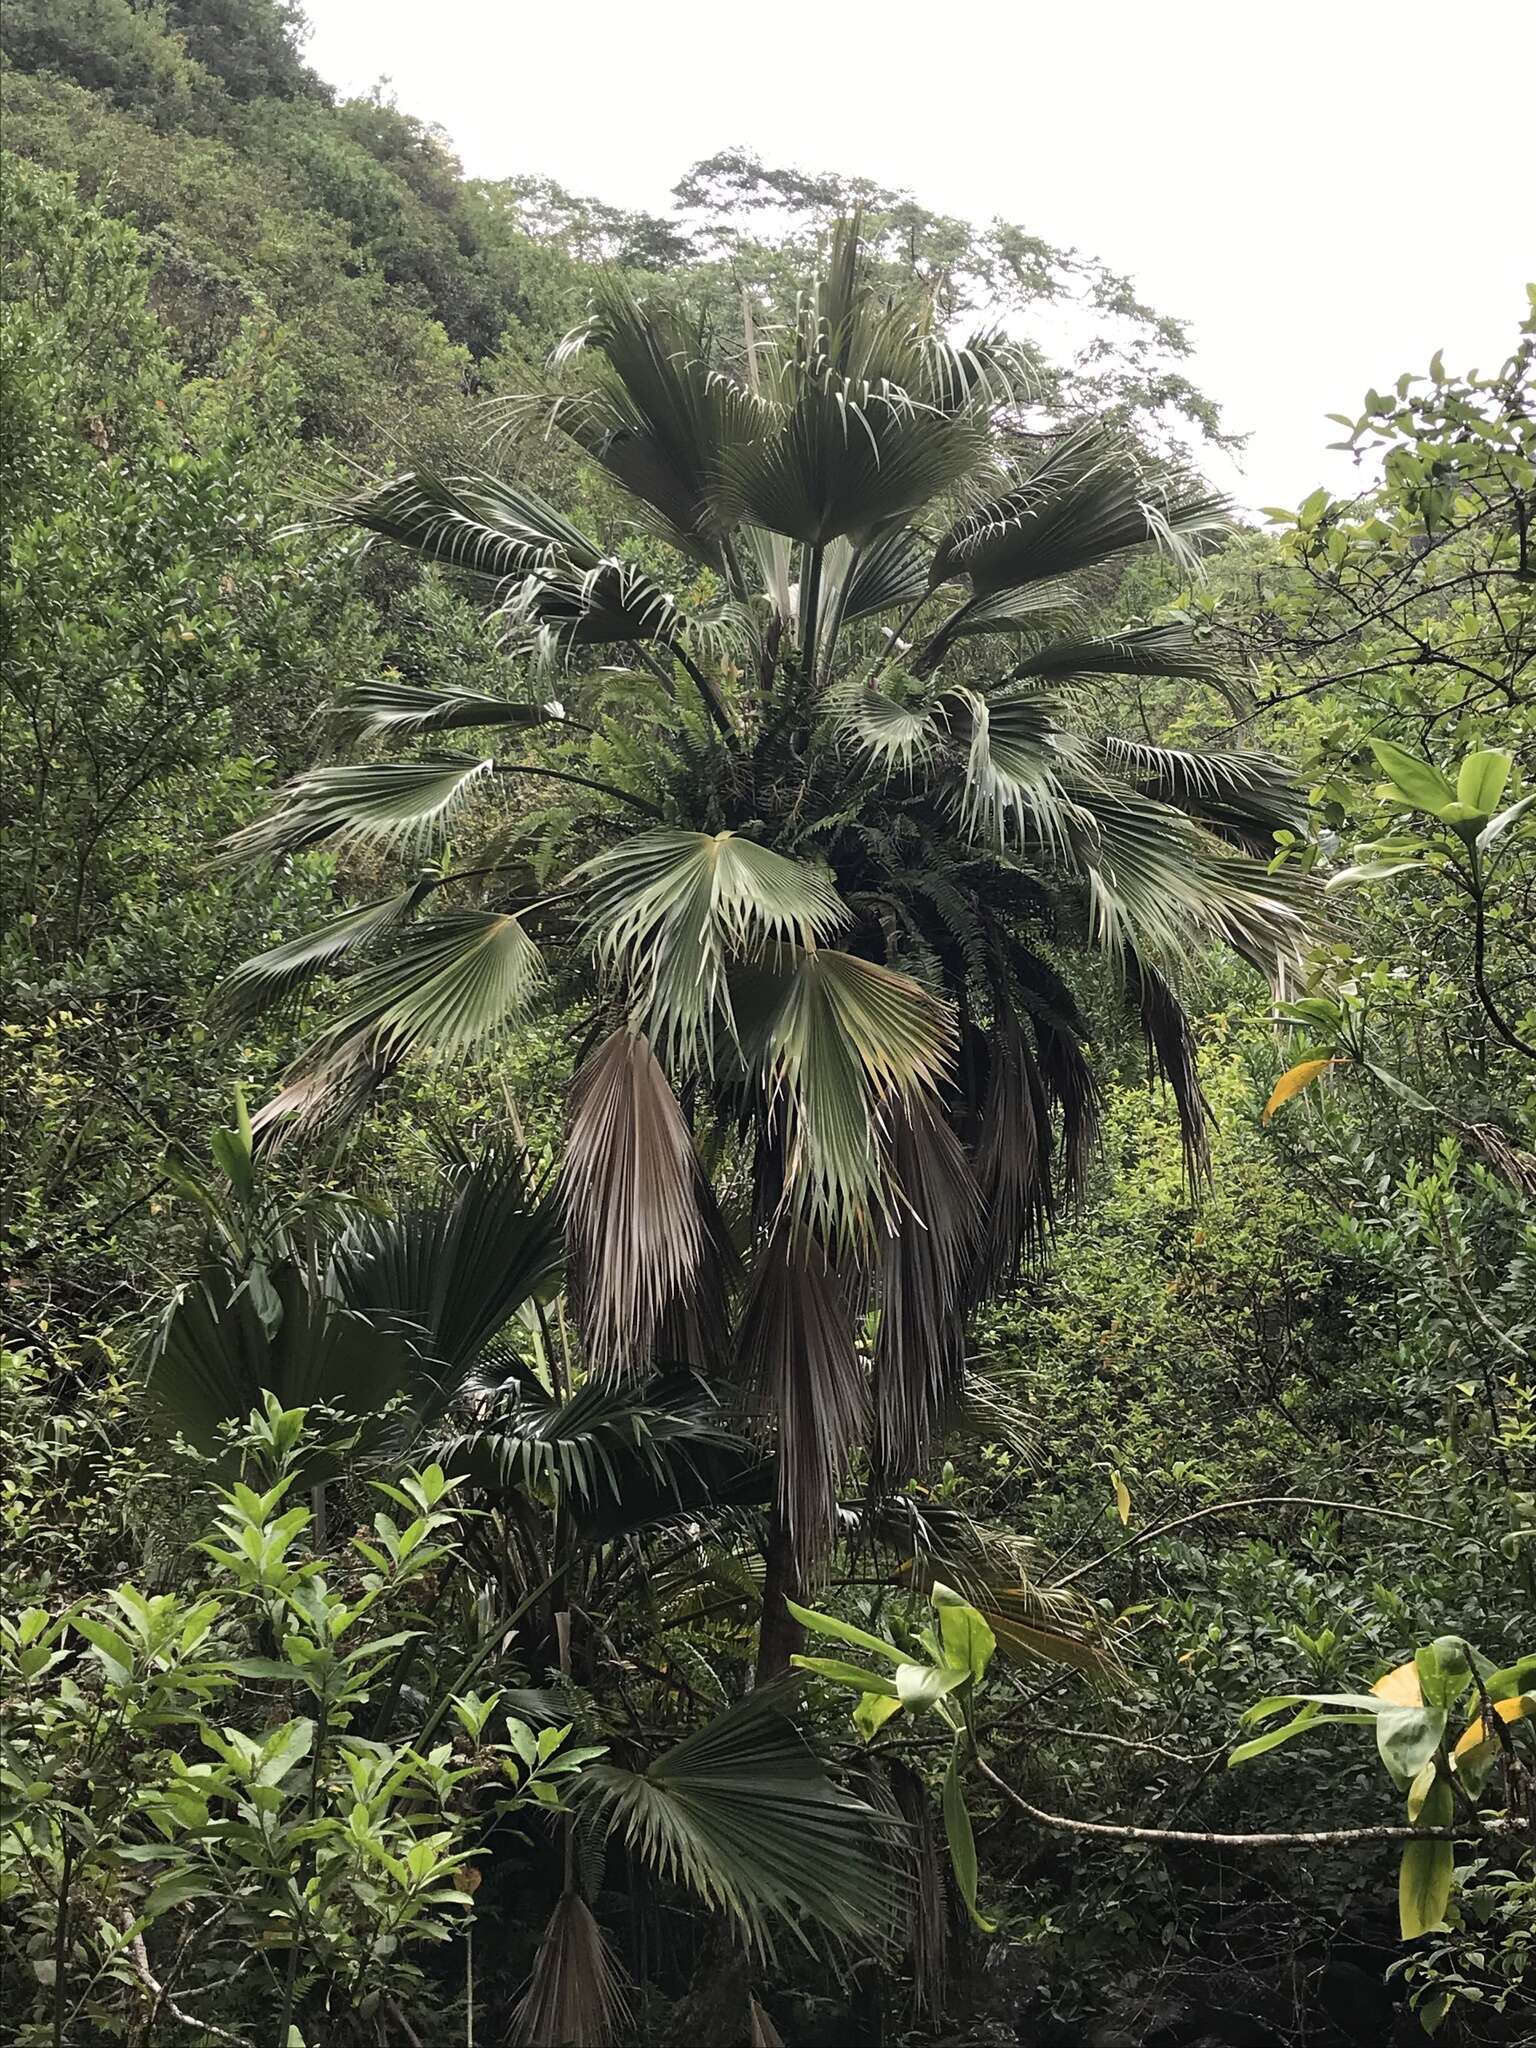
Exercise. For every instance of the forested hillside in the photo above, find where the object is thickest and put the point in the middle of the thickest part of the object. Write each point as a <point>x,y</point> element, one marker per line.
<point>770,1127</point>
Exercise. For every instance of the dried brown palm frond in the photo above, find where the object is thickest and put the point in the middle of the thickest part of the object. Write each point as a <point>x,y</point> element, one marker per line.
<point>575,1996</point>
<point>632,1196</point>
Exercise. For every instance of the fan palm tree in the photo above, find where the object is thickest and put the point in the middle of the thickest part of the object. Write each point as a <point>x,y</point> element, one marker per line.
<point>812,819</point>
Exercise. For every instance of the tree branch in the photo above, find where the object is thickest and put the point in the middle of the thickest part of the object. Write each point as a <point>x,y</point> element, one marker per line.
<point>1231,1507</point>
<point>1302,1838</point>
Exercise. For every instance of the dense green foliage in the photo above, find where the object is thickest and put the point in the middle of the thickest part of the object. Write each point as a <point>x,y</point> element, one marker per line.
<point>407,1524</point>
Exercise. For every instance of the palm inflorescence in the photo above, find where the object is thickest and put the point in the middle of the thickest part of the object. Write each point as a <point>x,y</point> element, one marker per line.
<point>810,805</point>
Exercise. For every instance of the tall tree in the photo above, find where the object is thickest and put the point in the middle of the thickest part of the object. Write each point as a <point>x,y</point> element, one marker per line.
<point>835,839</point>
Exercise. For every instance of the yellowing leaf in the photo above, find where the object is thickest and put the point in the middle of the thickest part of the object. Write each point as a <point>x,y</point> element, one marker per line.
<point>1122,1499</point>
<point>1517,1709</point>
<point>1293,1081</point>
<point>1401,1686</point>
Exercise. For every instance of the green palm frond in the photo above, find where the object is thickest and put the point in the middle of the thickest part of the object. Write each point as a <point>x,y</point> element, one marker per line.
<point>1087,501</point>
<point>657,414</point>
<point>563,606</point>
<point>456,1270</point>
<point>481,524</point>
<point>1138,651</point>
<point>837,1037</point>
<point>404,710</point>
<point>623,1456</point>
<point>456,983</point>
<point>670,911</point>
<point>1159,887</point>
<point>1247,797</point>
<point>896,736</point>
<point>843,456</point>
<point>1051,607</point>
<point>744,1816</point>
<point>275,976</point>
<point>1016,753</point>
<point>891,572</point>
<point>400,806</point>
<point>213,1354</point>
<point>633,1199</point>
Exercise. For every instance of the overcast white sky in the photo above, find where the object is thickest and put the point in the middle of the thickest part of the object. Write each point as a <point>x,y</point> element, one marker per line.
<point>1327,190</point>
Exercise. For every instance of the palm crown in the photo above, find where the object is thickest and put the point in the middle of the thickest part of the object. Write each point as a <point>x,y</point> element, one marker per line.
<point>827,835</point>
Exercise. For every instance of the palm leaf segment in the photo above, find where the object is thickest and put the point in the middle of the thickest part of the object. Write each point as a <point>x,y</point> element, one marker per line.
<point>830,963</point>
<point>744,1815</point>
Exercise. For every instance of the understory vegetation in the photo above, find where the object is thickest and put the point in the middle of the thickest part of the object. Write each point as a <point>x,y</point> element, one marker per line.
<point>770,1125</point>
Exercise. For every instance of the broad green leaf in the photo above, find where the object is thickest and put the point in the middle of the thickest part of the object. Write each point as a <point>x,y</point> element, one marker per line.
<point>924,1685</point>
<point>1420,781</point>
<point>115,1654</point>
<point>962,1839</point>
<point>284,1748</point>
<point>1517,1677</point>
<point>1293,1081</point>
<point>1481,778</point>
<point>837,1673</point>
<point>1444,1671</point>
<point>844,1632</point>
<point>1426,1871</point>
<point>1407,1737</point>
<point>1420,1789</point>
<point>872,1713</point>
<point>967,1639</point>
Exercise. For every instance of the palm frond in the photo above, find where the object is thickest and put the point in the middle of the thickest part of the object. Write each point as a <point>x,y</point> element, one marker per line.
<point>744,1816</point>
<point>657,415</point>
<point>896,736</point>
<point>1016,751</point>
<point>1173,1056</point>
<point>1246,797</point>
<point>1013,1153</point>
<point>1157,885</point>
<point>892,571</point>
<point>622,1457</point>
<point>838,1038</point>
<point>456,1270</point>
<point>844,456</point>
<point>273,977</point>
<point>396,806</point>
<point>1087,501</point>
<point>330,1083</point>
<point>213,1355</point>
<point>1073,1092</point>
<point>482,524</point>
<point>924,1264</point>
<point>457,983</point>
<point>575,1996</point>
<point>800,1360</point>
<point>405,710</point>
<point>1050,607</point>
<point>669,911</point>
<point>632,1199</point>
<point>1170,650</point>
<point>563,606</point>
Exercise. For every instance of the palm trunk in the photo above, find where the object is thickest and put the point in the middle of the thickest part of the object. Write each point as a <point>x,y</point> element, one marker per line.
<point>779,1634</point>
